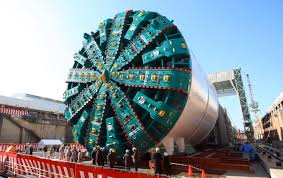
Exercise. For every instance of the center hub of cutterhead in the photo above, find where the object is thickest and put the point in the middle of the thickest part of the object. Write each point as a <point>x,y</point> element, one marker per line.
<point>105,76</point>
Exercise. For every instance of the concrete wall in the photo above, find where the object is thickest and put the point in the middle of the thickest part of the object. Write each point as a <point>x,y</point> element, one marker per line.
<point>9,132</point>
<point>18,130</point>
<point>12,133</point>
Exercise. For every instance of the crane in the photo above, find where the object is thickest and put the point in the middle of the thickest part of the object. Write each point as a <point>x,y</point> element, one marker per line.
<point>255,109</point>
<point>254,104</point>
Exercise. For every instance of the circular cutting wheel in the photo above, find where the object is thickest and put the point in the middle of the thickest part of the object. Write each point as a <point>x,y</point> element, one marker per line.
<point>129,83</point>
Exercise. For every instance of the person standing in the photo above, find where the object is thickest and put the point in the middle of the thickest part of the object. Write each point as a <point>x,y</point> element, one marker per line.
<point>74,154</point>
<point>67,154</point>
<point>135,158</point>
<point>99,156</point>
<point>30,150</point>
<point>111,158</point>
<point>51,152</point>
<point>45,149</point>
<point>27,149</point>
<point>104,156</point>
<point>93,155</point>
<point>167,164</point>
<point>61,152</point>
<point>80,156</point>
<point>157,158</point>
<point>127,159</point>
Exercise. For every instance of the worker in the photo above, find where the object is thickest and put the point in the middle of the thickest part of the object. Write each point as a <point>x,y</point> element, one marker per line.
<point>74,154</point>
<point>167,164</point>
<point>27,149</point>
<point>99,156</point>
<point>135,158</point>
<point>67,154</point>
<point>80,156</point>
<point>104,155</point>
<point>30,150</point>
<point>157,158</point>
<point>93,155</point>
<point>127,159</point>
<point>61,152</point>
<point>51,152</point>
<point>45,149</point>
<point>111,158</point>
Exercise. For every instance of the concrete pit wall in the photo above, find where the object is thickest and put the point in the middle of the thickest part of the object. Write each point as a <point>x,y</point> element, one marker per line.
<point>18,130</point>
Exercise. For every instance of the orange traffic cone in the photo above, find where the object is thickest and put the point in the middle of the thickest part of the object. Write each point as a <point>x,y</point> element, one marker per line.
<point>203,174</point>
<point>190,172</point>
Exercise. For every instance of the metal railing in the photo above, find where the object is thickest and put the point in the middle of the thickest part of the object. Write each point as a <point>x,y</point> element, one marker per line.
<point>15,170</point>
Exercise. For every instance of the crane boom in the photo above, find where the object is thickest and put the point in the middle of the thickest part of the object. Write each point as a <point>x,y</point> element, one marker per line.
<point>254,103</point>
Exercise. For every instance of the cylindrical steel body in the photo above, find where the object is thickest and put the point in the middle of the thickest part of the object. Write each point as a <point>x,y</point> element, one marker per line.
<point>201,110</point>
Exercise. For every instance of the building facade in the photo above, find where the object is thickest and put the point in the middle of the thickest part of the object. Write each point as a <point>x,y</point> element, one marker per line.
<point>272,121</point>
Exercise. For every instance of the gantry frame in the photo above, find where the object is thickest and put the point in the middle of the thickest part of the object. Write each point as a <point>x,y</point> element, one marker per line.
<point>229,83</point>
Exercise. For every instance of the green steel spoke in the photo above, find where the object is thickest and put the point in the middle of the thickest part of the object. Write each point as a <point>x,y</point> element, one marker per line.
<point>78,129</point>
<point>81,100</point>
<point>82,75</point>
<point>115,37</point>
<point>113,135</point>
<point>93,52</point>
<point>159,78</point>
<point>172,47</point>
<point>135,47</point>
<point>71,92</point>
<point>103,34</point>
<point>80,58</point>
<point>96,118</point>
<point>139,19</point>
<point>133,128</point>
<point>159,111</point>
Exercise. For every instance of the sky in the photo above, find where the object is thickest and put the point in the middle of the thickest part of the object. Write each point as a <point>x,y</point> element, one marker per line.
<point>39,37</point>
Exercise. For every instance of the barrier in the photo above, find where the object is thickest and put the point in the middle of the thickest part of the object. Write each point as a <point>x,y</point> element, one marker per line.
<point>18,164</point>
<point>85,171</point>
<point>190,169</point>
<point>23,165</point>
<point>20,147</point>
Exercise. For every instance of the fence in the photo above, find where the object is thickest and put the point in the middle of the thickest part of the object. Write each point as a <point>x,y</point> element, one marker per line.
<point>191,168</point>
<point>21,147</point>
<point>25,165</point>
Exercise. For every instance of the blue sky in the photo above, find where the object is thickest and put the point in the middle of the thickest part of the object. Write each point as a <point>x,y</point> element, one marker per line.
<point>39,38</point>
